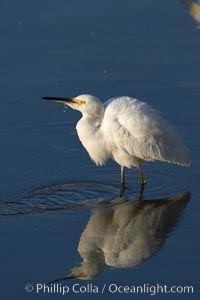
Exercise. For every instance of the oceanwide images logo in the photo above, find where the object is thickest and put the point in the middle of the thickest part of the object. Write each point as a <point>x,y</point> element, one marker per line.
<point>112,288</point>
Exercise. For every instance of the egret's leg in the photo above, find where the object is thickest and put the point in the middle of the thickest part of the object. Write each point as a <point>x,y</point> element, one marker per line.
<point>142,178</point>
<point>122,176</point>
<point>122,181</point>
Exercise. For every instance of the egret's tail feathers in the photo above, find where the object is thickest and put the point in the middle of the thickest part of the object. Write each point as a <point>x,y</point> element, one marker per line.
<point>181,156</point>
<point>177,155</point>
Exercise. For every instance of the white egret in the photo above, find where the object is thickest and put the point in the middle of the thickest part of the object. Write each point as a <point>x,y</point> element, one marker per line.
<point>127,130</point>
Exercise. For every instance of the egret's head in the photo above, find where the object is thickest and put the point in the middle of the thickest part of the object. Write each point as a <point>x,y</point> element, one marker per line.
<point>87,104</point>
<point>88,270</point>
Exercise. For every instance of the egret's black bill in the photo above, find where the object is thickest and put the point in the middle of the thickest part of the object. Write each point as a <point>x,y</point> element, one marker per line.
<point>62,279</point>
<point>58,99</point>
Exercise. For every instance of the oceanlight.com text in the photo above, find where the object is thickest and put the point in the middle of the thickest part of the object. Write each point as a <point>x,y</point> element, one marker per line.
<point>111,288</point>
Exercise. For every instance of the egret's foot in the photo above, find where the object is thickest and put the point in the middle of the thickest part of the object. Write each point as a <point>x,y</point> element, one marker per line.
<point>143,181</point>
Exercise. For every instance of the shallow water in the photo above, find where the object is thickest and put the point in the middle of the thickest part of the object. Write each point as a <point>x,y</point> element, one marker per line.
<point>51,192</point>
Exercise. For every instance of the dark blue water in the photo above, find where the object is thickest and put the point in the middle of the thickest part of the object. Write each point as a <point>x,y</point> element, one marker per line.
<point>52,197</point>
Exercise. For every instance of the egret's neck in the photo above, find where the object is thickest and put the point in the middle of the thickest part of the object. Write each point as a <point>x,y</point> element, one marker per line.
<point>90,135</point>
<point>89,125</point>
<point>94,119</point>
<point>88,129</point>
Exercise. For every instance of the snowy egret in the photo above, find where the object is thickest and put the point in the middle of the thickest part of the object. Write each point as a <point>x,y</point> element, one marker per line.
<point>127,130</point>
<point>194,8</point>
<point>126,235</point>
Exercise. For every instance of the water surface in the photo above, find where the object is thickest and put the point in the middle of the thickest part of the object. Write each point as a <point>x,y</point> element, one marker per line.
<point>50,190</point>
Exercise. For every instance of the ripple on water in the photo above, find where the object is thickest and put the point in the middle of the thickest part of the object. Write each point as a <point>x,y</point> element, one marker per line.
<point>163,180</point>
<point>166,179</point>
<point>66,196</point>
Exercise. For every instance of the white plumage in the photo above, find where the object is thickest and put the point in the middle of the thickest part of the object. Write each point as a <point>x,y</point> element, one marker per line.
<point>127,130</point>
<point>139,129</point>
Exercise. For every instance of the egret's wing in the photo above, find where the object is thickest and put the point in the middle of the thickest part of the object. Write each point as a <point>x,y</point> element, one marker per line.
<point>142,132</point>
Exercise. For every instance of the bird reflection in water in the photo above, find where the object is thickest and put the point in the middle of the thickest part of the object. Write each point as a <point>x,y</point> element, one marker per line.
<point>194,10</point>
<point>125,235</point>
